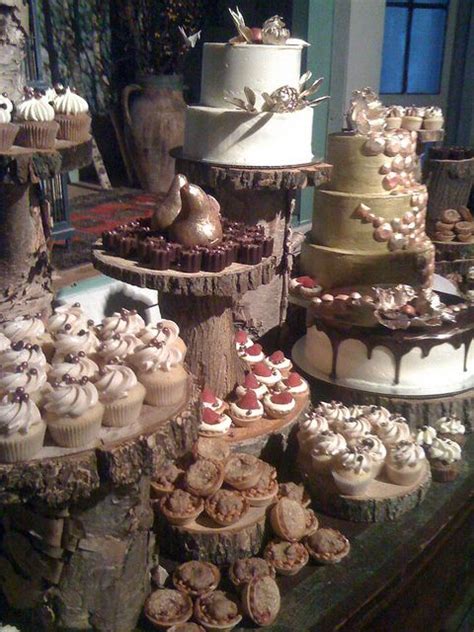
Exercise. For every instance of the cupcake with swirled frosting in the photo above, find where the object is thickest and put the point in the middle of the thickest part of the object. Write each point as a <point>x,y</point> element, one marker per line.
<point>72,114</point>
<point>375,414</point>
<point>66,315</point>
<point>30,379</point>
<point>451,427</point>
<point>445,458</point>
<point>8,130</point>
<point>68,343</point>
<point>119,347</point>
<point>121,394</point>
<point>73,412</point>
<point>308,429</point>
<point>75,366</point>
<point>35,117</point>
<point>26,328</point>
<point>373,446</point>
<point>433,118</point>
<point>404,463</point>
<point>327,445</point>
<point>21,428</point>
<point>354,427</point>
<point>413,118</point>
<point>335,412</point>
<point>424,436</point>
<point>352,472</point>
<point>20,352</point>
<point>166,331</point>
<point>123,322</point>
<point>393,430</point>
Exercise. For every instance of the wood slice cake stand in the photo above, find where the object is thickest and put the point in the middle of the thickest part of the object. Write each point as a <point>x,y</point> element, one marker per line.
<point>265,196</point>
<point>25,223</point>
<point>202,305</point>
<point>78,542</point>
<point>449,184</point>
<point>382,501</point>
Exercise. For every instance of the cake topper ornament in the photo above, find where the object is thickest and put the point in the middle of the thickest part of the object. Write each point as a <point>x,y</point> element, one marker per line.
<point>274,31</point>
<point>366,112</point>
<point>190,41</point>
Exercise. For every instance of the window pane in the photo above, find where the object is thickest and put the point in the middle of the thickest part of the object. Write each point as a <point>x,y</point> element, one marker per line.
<point>394,43</point>
<point>426,51</point>
<point>442,3</point>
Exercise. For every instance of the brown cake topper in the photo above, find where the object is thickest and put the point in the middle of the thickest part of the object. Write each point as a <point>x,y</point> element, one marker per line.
<point>170,208</point>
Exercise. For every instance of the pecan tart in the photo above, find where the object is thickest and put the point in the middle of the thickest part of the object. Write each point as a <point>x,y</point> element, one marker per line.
<point>261,600</point>
<point>180,507</point>
<point>217,611</point>
<point>293,491</point>
<point>312,523</point>
<point>226,507</point>
<point>189,626</point>
<point>196,578</point>
<point>243,471</point>
<point>288,520</point>
<point>243,570</point>
<point>265,490</point>
<point>204,477</point>
<point>165,479</point>
<point>211,448</point>
<point>166,607</point>
<point>287,558</point>
<point>327,546</point>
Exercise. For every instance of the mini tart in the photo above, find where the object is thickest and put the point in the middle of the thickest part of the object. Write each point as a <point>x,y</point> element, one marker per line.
<point>251,384</point>
<point>287,558</point>
<point>165,479</point>
<point>217,611</point>
<point>288,520</point>
<point>189,626</point>
<point>252,355</point>
<point>295,385</point>
<point>196,578</point>
<point>226,507</point>
<point>214,424</point>
<point>243,570</point>
<point>266,375</point>
<point>242,471</point>
<point>166,607</point>
<point>312,522</point>
<point>204,477</point>
<point>264,492</point>
<point>213,448</point>
<point>209,400</point>
<point>278,361</point>
<point>261,600</point>
<point>246,410</point>
<point>305,286</point>
<point>327,546</point>
<point>180,507</point>
<point>293,491</point>
<point>279,405</point>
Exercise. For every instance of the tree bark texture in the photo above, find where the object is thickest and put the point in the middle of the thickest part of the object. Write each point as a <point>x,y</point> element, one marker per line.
<point>13,32</point>
<point>449,185</point>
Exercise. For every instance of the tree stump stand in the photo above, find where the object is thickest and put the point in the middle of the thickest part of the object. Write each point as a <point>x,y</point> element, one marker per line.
<point>25,224</point>
<point>202,304</point>
<point>264,196</point>
<point>78,541</point>
<point>449,185</point>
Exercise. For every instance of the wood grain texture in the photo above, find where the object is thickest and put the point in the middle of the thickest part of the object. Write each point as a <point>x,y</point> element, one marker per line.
<point>449,185</point>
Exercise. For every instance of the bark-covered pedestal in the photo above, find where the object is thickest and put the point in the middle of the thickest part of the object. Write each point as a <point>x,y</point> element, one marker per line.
<point>25,224</point>
<point>449,185</point>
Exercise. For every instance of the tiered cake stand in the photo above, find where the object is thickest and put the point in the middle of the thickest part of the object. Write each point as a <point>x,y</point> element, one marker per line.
<point>25,223</point>
<point>78,523</point>
<point>265,196</point>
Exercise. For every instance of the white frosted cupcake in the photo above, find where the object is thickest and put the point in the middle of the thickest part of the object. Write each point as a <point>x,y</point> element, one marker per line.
<point>25,328</point>
<point>334,412</point>
<point>119,347</point>
<point>251,383</point>
<point>413,118</point>
<point>72,114</point>
<point>161,372</point>
<point>405,462</point>
<point>373,446</point>
<point>308,429</point>
<point>266,375</point>
<point>394,116</point>
<point>433,119</point>
<point>29,379</point>
<point>8,130</point>
<point>375,414</point>
<point>21,428</point>
<point>451,427</point>
<point>64,315</point>
<point>246,410</point>
<point>279,404</point>
<point>278,361</point>
<point>68,343</point>
<point>214,424</point>
<point>353,428</point>
<point>121,394</point>
<point>393,430</point>
<point>35,116</point>
<point>5,343</point>
<point>75,366</point>
<point>162,331</point>
<point>252,355</point>
<point>352,472</point>
<point>327,445</point>
<point>445,458</point>
<point>424,435</point>
<point>19,353</point>
<point>73,412</point>
<point>123,322</point>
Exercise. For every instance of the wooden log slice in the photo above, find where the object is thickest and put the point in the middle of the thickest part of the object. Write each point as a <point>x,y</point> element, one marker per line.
<point>430,135</point>
<point>382,501</point>
<point>202,539</point>
<point>453,251</point>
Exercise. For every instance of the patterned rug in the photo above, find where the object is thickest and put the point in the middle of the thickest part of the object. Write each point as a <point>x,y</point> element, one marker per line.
<point>91,214</point>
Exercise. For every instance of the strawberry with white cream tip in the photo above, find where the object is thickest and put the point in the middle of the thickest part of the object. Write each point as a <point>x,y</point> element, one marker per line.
<point>305,286</point>
<point>266,375</point>
<point>278,361</point>
<point>209,400</point>
<point>253,354</point>
<point>242,340</point>
<point>294,384</point>
<point>251,383</point>
<point>246,410</point>
<point>279,405</point>
<point>214,424</point>
<point>123,322</point>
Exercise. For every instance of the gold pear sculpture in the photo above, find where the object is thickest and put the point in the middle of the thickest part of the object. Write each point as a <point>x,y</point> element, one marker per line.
<point>199,222</point>
<point>166,213</point>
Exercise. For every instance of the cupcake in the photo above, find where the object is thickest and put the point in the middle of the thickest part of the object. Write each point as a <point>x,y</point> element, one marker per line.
<point>308,429</point>
<point>21,428</point>
<point>327,445</point>
<point>75,366</point>
<point>161,372</point>
<point>445,459</point>
<point>375,414</point>
<point>30,379</point>
<point>353,428</point>
<point>25,328</point>
<point>295,385</point>
<point>394,117</point>
<point>242,340</point>
<point>433,119</point>
<point>451,427</point>
<point>246,410</point>
<point>393,430</point>
<point>123,322</point>
<point>405,462</point>
<point>67,315</point>
<point>334,412</point>
<point>163,331</point>
<point>252,355</point>
<point>4,343</point>
<point>266,375</point>
<point>413,118</point>
<point>119,347</point>
<point>214,424</point>
<point>424,436</point>
<point>121,395</point>
<point>278,361</point>
<point>373,446</point>
<point>279,405</point>
<point>72,113</point>
<point>209,400</point>
<point>352,472</point>
<point>35,116</point>
<point>20,352</point>
<point>68,343</point>
<point>251,383</point>
<point>8,130</point>
<point>73,412</point>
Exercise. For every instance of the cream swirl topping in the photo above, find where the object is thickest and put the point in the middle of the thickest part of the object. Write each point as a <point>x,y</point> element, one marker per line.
<point>424,435</point>
<point>355,461</point>
<point>67,342</point>
<point>21,328</point>
<point>393,430</point>
<point>4,342</point>
<point>120,346</point>
<point>70,398</point>
<point>434,112</point>
<point>375,414</point>
<point>445,450</point>
<point>333,411</point>
<point>395,111</point>
<point>34,109</point>
<point>309,429</point>
<point>450,425</point>
<point>6,107</point>
<point>123,322</point>
<point>74,366</point>
<point>114,382</point>
<point>154,357</point>
<point>17,414</point>
<point>69,317</point>
<point>70,103</point>
<point>166,331</point>
<point>405,454</point>
<point>354,427</point>
<point>19,353</point>
<point>373,446</point>
<point>329,443</point>
<point>31,380</point>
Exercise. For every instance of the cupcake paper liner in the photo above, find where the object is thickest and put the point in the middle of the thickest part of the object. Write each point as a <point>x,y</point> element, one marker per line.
<point>407,476</point>
<point>37,135</point>
<point>75,128</point>
<point>76,432</point>
<point>165,388</point>
<point>8,132</point>
<point>123,412</point>
<point>22,447</point>
<point>445,473</point>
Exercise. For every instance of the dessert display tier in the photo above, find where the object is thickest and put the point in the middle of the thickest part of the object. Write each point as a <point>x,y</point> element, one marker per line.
<point>202,540</point>
<point>381,501</point>
<point>25,223</point>
<point>202,303</point>
<point>449,185</point>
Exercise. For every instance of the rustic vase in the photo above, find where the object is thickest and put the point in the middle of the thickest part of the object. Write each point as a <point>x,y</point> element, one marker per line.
<point>153,111</point>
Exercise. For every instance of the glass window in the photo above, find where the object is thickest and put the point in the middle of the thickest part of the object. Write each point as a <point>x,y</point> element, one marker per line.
<point>413,46</point>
